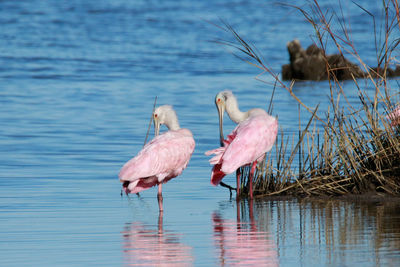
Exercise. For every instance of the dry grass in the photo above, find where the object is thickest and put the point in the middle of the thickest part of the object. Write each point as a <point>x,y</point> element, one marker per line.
<point>356,150</point>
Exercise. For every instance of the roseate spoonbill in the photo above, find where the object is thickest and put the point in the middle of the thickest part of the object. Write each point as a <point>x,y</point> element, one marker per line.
<point>254,135</point>
<point>160,160</point>
<point>394,117</point>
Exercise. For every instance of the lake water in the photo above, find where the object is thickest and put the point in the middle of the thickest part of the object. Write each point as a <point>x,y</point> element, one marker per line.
<point>77,86</point>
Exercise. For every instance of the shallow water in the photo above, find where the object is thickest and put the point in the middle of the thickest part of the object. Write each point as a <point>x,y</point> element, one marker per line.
<point>77,85</point>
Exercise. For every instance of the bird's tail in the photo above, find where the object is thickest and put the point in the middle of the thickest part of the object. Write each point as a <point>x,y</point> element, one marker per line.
<point>219,151</point>
<point>218,154</point>
<point>125,187</point>
<point>217,175</point>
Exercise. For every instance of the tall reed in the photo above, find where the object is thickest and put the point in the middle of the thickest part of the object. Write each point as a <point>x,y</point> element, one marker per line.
<point>356,150</point>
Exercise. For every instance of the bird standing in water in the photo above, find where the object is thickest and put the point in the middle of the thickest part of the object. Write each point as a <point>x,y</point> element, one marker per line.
<point>254,135</point>
<point>160,160</point>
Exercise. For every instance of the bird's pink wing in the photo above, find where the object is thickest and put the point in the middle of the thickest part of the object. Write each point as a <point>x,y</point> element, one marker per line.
<point>251,139</point>
<point>166,155</point>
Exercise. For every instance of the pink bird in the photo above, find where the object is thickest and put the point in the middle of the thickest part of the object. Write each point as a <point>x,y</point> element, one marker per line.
<point>160,160</point>
<point>394,117</point>
<point>254,135</point>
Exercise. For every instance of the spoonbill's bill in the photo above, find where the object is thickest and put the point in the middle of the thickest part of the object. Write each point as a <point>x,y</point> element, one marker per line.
<point>160,160</point>
<point>254,135</point>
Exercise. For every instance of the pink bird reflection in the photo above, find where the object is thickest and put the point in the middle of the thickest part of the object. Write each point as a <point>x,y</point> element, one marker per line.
<point>240,244</point>
<point>144,245</point>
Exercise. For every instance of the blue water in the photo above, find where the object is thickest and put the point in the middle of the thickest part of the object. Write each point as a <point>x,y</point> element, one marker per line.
<point>77,85</point>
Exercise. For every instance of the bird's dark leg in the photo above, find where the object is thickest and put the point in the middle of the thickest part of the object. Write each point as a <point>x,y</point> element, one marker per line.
<point>238,182</point>
<point>253,168</point>
<point>160,198</point>
<point>227,186</point>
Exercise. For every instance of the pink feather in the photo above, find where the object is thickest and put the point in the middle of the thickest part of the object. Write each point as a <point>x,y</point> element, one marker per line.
<point>160,160</point>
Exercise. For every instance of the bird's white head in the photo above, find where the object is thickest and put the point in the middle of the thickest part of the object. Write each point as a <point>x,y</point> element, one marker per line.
<point>221,100</point>
<point>226,101</point>
<point>165,115</point>
<point>222,97</point>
